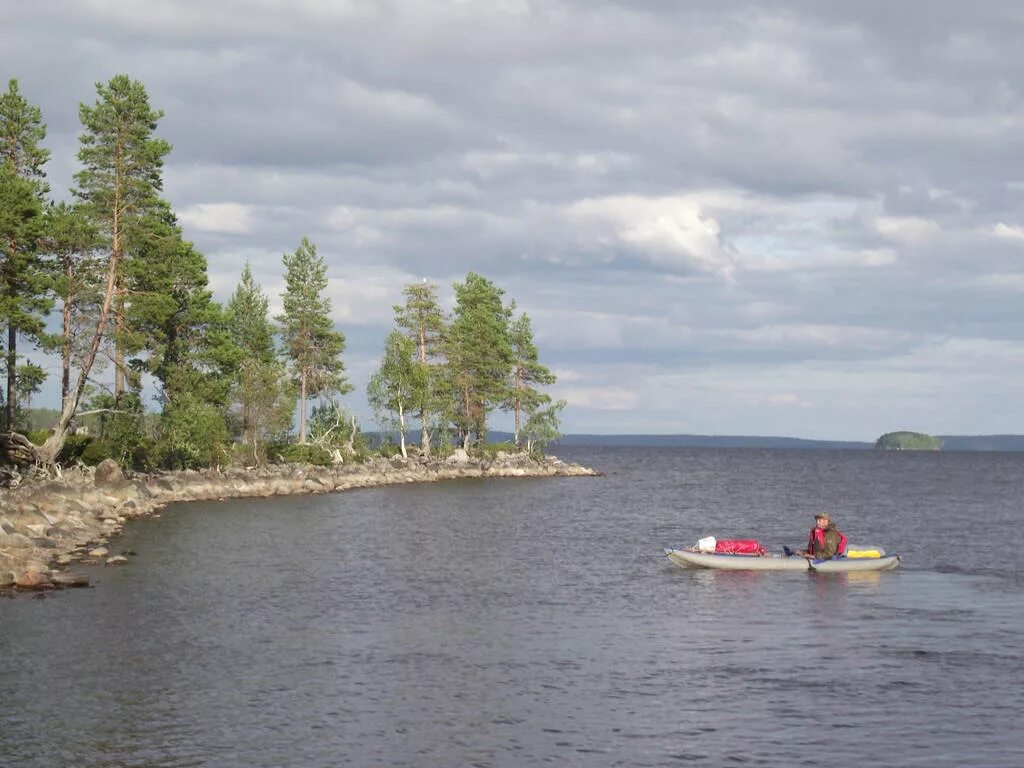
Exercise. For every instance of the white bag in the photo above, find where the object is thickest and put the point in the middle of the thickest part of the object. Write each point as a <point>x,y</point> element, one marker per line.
<point>707,544</point>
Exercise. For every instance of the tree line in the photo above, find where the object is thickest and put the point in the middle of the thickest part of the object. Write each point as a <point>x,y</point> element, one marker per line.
<point>135,306</point>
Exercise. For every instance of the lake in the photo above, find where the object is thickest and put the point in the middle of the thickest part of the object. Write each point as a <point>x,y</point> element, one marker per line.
<point>536,621</point>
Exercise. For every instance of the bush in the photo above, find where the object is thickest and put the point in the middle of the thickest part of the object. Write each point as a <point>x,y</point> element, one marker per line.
<point>74,447</point>
<point>94,452</point>
<point>194,435</point>
<point>299,454</point>
<point>489,451</point>
<point>37,436</point>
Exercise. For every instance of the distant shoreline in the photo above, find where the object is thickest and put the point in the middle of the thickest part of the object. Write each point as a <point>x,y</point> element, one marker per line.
<point>1008,443</point>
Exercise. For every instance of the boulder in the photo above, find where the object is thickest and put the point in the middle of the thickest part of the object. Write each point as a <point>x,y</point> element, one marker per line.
<point>459,456</point>
<point>33,580</point>
<point>117,560</point>
<point>61,579</point>
<point>108,474</point>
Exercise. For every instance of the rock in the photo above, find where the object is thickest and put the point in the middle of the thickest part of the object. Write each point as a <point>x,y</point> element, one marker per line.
<point>459,456</point>
<point>14,540</point>
<point>33,580</point>
<point>108,474</point>
<point>117,560</point>
<point>7,578</point>
<point>98,552</point>
<point>62,579</point>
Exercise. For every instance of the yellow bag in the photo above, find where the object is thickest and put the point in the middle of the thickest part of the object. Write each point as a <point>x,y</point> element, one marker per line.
<point>864,553</point>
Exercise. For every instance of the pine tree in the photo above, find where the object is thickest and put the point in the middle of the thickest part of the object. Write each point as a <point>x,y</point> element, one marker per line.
<point>423,321</point>
<point>311,343</point>
<point>527,374</point>
<point>24,283</point>
<point>118,187</point>
<point>263,396</point>
<point>479,354</point>
<point>249,320</point>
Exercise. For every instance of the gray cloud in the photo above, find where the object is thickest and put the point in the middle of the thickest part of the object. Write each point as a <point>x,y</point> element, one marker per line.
<point>798,217</point>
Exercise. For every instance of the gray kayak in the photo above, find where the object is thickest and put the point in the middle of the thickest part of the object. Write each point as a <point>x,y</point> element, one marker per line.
<point>687,558</point>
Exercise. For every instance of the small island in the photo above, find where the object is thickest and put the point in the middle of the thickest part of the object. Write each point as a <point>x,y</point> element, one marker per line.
<point>908,441</point>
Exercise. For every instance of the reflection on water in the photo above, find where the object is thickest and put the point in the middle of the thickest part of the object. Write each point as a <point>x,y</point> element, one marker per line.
<point>536,621</point>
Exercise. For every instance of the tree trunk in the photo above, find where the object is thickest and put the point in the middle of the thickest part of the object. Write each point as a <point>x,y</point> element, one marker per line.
<point>425,433</point>
<point>12,364</point>
<point>517,402</point>
<point>401,429</point>
<point>47,453</point>
<point>302,409</point>
<point>65,347</point>
<point>468,432</point>
<point>119,377</point>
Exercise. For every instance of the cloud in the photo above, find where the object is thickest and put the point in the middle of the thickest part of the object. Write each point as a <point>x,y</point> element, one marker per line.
<point>907,229</point>
<point>1008,232</point>
<point>219,218</point>
<point>797,218</point>
<point>671,232</point>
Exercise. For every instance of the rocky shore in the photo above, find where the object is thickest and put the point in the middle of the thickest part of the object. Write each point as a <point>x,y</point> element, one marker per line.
<point>47,527</point>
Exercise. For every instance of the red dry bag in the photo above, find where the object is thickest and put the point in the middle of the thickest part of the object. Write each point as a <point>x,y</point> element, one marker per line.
<point>739,547</point>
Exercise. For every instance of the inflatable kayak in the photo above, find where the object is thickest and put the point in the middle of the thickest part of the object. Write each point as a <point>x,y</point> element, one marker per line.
<point>690,558</point>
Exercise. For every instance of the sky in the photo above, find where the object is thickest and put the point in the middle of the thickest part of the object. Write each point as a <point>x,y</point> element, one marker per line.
<point>799,218</point>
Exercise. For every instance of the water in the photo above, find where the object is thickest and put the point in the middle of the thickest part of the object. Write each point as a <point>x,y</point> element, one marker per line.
<point>527,622</point>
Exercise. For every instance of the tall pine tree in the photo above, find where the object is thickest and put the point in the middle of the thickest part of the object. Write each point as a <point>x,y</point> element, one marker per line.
<point>118,187</point>
<point>24,283</point>
<point>423,321</point>
<point>263,399</point>
<point>311,344</point>
<point>479,354</point>
<point>527,374</point>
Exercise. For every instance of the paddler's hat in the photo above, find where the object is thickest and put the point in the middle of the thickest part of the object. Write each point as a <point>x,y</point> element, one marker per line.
<point>823,516</point>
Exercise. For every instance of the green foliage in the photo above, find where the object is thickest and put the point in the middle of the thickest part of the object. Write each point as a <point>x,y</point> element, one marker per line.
<point>290,453</point>
<point>392,389</point>
<point>908,441</point>
<point>121,161</point>
<point>541,427</point>
<point>123,432</point>
<point>423,321</point>
<point>37,436</point>
<point>24,278</point>
<point>333,427</point>
<point>75,447</point>
<point>311,343</point>
<point>490,451</point>
<point>263,403</point>
<point>73,239</point>
<point>248,320</point>
<point>479,354</point>
<point>93,452</point>
<point>527,374</point>
<point>193,434</point>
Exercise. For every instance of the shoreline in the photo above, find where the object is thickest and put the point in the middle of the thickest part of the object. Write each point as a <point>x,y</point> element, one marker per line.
<point>47,526</point>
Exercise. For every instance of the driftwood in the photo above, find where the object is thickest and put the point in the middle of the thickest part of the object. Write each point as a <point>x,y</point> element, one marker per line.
<point>16,450</point>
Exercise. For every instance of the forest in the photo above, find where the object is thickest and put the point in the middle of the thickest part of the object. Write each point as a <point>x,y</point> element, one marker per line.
<point>106,284</point>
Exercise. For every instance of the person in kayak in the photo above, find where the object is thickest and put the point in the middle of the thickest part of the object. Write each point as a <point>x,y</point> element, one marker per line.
<point>824,540</point>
